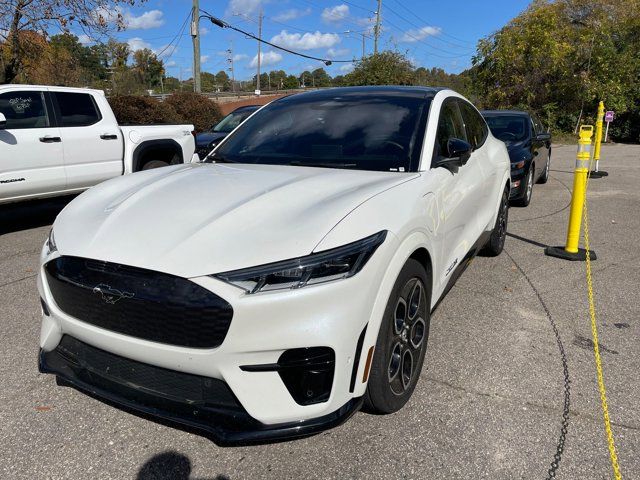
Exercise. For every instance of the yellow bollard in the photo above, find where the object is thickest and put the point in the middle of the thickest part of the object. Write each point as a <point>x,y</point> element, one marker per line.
<point>571,250</point>
<point>598,140</point>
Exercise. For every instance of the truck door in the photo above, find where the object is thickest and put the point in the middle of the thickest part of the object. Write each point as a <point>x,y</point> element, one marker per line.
<point>31,157</point>
<point>93,145</point>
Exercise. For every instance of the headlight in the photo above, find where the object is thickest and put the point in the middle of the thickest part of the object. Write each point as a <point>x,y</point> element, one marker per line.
<point>518,164</point>
<point>51,243</point>
<point>334,264</point>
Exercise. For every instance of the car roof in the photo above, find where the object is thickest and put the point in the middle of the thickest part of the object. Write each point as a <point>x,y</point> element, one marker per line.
<point>391,90</point>
<point>496,113</point>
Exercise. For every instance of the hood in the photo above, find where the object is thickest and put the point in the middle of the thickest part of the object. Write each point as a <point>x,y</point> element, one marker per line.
<point>200,219</point>
<point>204,139</point>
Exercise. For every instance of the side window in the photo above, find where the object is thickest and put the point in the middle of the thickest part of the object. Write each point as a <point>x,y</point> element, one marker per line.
<point>450,125</point>
<point>539,128</point>
<point>77,109</point>
<point>24,110</point>
<point>476,127</point>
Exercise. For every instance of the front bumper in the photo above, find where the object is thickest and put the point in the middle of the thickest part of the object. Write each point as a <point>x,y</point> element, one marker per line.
<point>204,404</point>
<point>264,326</point>
<point>518,183</point>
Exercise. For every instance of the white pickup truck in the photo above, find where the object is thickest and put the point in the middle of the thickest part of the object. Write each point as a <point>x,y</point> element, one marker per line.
<point>60,140</point>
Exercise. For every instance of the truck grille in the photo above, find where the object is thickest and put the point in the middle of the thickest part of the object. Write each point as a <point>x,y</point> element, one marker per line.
<point>141,303</point>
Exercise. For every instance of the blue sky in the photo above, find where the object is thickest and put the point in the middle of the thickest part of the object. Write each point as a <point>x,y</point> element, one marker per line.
<point>432,33</point>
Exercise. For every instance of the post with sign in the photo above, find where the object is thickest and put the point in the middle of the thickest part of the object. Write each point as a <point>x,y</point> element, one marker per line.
<point>608,117</point>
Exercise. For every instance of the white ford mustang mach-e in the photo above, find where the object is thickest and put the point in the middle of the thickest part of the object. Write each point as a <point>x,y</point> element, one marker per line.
<point>270,291</point>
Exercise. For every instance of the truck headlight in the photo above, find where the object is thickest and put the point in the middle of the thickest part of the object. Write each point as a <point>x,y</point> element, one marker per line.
<point>321,267</point>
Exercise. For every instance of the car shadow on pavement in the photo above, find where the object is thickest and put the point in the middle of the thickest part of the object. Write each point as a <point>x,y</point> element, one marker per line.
<point>15,217</point>
<point>527,240</point>
<point>170,465</point>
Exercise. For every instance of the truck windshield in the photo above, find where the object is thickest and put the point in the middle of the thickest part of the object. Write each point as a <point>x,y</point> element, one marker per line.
<point>362,131</point>
<point>232,120</point>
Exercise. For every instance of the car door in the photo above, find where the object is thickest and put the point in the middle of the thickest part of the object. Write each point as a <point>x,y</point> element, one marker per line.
<point>31,156</point>
<point>541,145</point>
<point>477,132</point>
<point>93,145</point>
<point>458,196</point>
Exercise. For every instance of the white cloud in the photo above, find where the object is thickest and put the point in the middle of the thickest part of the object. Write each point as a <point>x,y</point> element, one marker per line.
<point>150,19</point>
<point>346,68</point>
<point>85,39</point>
<point>239,56</point>
<point>307,41</point>
<point>204,58</point>
<point>204,30</point>
<point>416,35</point>
<point>170,63</point>
<point>335,14</point>
<point>245,7</point>
<point>337,52</point>
<point>291,14</point>
<point>266,58</point>
<point>137,43</point>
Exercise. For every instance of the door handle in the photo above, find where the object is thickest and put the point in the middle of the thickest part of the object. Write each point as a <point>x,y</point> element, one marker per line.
<point>108,136</point>
<point>49,139</point>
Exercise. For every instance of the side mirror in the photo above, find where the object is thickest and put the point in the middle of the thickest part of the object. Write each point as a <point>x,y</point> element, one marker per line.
<point>543,137</point>
<point>457,154</point>
<point>3,121</point>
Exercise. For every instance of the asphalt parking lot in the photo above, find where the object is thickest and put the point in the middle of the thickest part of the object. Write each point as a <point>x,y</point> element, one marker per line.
<point>490,401</point>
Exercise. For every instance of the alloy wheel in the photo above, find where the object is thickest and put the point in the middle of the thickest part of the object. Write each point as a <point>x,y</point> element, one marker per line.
<point>409,330</point>
<point>529,185</point>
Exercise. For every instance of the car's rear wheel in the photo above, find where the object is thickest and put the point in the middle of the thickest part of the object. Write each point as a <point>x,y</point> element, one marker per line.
<point>494,246</point>
<point>544,178</point>
<point>402,341</point>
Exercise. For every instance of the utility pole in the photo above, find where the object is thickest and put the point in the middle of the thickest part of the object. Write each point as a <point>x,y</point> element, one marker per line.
<point>230,60</point>
<point>376,30</point>
<point>195,35</point>
<point>259,50</point>
<point>363,46</point>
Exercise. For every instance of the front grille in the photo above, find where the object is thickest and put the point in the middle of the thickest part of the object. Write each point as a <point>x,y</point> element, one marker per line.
<point>137,302</point>
<point>103,369</point>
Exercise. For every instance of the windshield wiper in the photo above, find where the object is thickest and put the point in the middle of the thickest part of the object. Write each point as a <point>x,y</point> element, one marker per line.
<point>298,163</point>
<point>218,159</point>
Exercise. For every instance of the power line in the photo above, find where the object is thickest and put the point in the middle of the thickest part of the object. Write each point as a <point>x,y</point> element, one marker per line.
<point>222,24</point>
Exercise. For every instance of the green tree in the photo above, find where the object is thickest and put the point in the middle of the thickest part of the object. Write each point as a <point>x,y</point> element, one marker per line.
<point>290,82</point>
<point>385,68</point>
<point>320,78</point>
<point>148,67</point>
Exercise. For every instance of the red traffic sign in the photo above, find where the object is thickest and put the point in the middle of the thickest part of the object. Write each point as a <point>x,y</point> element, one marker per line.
<point>608,117</point>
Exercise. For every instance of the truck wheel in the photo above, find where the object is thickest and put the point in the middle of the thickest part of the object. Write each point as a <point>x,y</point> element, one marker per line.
<point>402,341</point>
<point>154,164</point>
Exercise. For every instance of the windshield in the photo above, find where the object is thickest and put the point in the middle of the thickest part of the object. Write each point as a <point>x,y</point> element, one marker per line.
<point>232,120</point>
<point>364,131</point>
<point>509,128</point>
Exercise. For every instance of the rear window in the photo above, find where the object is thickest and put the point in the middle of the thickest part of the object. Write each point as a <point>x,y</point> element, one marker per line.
<point>77,109</point>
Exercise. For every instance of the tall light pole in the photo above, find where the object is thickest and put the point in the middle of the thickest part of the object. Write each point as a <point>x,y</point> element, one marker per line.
<point>230,60</point>
<point>377,28</point>
<point>195,35</point>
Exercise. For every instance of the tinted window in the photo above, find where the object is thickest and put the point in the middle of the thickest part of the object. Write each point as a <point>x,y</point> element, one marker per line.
<point>475,125</point>
<point>24,110</point>
<point>450,125</point>
<point>232,120</point>
<point>538,128</point>
<point>77,109</point>
<point>509,128</point>
<point>347,130</point>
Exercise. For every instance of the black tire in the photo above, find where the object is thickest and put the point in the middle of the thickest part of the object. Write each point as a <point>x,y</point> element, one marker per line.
<point>525,200</point>
<point>398,357</point>
<point>154,164</point>
<point>494,246</point>
<point>544,178</point>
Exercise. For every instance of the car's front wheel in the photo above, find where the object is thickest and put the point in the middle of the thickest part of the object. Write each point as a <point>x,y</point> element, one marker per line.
<point>402,341</point>
<point>494,246</point>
